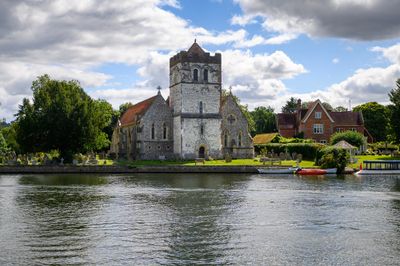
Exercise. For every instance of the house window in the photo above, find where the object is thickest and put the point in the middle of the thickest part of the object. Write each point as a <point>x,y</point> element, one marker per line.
<point>339,129</point>
<point>323,141</point>
<point>164,131</point>
<point>152,131</point>
<point>201,107</point>
<point>353,129</point>
<point>318,115</point>
<point>240,139</point>
<point>205,75</point>
<point>195,75</point>
<point>226,139</point>
<point>202,129</point>
<point>318,128</point>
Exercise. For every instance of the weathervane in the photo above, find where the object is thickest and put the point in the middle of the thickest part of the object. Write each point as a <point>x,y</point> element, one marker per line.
<point>159,89</point>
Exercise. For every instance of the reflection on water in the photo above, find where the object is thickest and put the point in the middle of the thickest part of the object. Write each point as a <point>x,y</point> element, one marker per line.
<point>199,219</point>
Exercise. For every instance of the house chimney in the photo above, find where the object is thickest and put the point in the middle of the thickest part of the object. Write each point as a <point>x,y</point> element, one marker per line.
<point>298,116</point>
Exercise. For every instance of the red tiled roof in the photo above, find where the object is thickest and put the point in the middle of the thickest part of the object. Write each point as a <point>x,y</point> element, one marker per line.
<point>130,115</point>
<point>347,118</point>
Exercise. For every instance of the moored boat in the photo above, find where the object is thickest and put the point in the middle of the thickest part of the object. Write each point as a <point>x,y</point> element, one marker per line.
<point>380,167</point>
<point>289,170</point>
<point>316,171</point>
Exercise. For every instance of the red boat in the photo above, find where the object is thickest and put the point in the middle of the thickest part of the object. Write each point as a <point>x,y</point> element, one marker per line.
<point>316,171</point>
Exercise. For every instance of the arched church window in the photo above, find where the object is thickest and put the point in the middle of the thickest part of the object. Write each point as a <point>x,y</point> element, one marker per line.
<point>201,107</point>
<point>240,139</point>
<point>164,131</point>
<point>226,139</point>
<point>152,131</point>
<point>202,129</point>
<point>205,75</point>
<point>195,75</point>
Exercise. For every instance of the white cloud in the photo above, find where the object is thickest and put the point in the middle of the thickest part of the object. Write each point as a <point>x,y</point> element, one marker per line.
<point>243,20</point>
<point>335,60</point>
<point>349,19</point>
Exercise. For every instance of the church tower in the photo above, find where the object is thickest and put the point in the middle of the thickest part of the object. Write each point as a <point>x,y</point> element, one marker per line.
<point>195,98</point>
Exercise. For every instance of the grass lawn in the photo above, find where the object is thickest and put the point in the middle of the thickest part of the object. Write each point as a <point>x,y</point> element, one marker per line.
<point>235,162</point>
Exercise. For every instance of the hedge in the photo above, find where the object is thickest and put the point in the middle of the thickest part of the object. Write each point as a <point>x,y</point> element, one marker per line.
<point>308,150</point>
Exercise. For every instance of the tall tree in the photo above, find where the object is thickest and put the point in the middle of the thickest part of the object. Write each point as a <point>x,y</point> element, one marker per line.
<point>61,117</point>
<point>376,118</point>
<point>123,107</point>
<point>394,110</point>
<point>10,135</point>
<point>290,106</point>
<point>3,145</point>
<point>265,120</point>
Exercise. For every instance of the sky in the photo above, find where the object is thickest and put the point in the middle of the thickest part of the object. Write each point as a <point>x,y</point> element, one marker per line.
<point>344,52</point>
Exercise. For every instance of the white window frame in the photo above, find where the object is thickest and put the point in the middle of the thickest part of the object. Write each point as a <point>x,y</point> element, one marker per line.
<point>318,115</point>
<point>318,128</point>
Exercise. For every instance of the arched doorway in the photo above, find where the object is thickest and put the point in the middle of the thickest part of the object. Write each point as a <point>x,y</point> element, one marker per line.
<point>202,152</point>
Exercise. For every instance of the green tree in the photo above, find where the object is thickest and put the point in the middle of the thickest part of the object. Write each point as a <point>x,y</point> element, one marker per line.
<point>123,107</point>
<point>376,119</point>
<point>61,117</point>
<point>264,119</point>
<point>3,145</point>
<point>354,138</point>
<point>340,109</point>
<point>10,135</point>
<point>394,111</point>
<point>290,106</point>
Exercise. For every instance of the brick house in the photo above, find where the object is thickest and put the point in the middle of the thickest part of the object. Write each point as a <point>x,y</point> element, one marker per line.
<point>319,124</point>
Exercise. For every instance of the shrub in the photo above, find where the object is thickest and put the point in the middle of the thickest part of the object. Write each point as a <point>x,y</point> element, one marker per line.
<point>308,150</point>
<point>332,157</point>
<point>354,138</point>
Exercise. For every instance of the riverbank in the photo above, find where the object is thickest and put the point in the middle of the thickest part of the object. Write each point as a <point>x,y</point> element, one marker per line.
<point>70,169</point>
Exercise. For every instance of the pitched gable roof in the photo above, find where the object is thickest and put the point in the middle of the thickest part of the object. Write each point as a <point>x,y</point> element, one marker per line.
<point>347,118</point>
<point>311,109</point>
<point>130,115</point>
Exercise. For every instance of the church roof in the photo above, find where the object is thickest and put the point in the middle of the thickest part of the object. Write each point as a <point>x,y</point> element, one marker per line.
<point>131,114</point>
<point>195,49</point>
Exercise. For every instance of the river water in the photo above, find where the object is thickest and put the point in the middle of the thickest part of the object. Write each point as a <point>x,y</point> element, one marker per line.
<point>150,219</point>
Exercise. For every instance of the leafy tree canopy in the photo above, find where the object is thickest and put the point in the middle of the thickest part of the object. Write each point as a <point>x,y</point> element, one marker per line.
<point>123,107</point>
<point>61,117</point>
<point>354,138</point>
<point>340,109</point>
<point>10,135</point>
<point>264,119</point>
<point>376,119</point>
<point>394,109</point>
<point>3,145</point>
<point>290,106</point>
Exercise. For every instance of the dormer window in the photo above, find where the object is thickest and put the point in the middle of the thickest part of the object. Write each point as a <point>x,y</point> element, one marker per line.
<point>195,75</point>
<point>318,115</point>
<point>205,75</point>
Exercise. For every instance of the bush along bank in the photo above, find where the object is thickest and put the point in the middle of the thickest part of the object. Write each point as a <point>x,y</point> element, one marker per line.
<point>332,157</point>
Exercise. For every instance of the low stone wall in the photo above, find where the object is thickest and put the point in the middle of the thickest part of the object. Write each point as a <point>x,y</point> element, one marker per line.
<point>40,169</point>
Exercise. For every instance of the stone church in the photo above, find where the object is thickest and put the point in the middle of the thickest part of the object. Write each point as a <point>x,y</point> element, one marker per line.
<point>196,121</point>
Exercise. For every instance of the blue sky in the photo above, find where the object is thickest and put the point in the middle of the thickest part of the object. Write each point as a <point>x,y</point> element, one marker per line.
<point>334,50</point>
